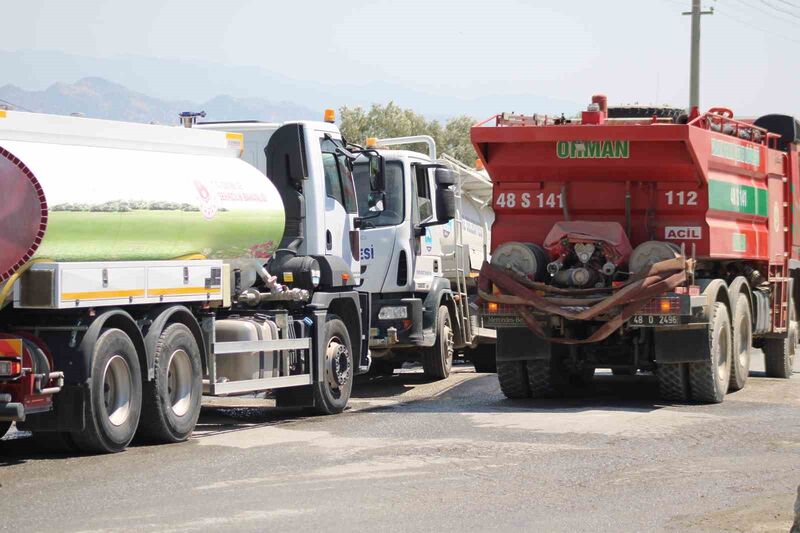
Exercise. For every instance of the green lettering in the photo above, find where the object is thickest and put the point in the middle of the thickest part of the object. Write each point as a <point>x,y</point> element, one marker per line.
<point>608,150</point>
<point>593,149</point>
<point>622,149</point>
<point>562,149</point>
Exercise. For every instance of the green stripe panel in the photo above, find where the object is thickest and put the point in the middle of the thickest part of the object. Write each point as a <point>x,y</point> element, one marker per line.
<point>737,198</point>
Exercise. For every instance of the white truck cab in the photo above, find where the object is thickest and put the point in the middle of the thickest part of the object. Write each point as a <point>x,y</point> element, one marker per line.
<point>420,255</point>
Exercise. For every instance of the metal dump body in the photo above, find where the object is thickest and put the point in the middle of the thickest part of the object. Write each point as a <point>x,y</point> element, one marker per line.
<point>714,185</point>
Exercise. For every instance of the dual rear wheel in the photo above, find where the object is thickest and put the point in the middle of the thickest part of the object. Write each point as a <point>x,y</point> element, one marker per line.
<point>121,405</point>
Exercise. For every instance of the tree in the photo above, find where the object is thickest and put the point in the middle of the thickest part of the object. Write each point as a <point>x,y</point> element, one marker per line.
<point>391,120</point>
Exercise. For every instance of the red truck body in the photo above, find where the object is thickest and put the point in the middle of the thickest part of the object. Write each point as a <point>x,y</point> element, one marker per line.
<point>719,190</point>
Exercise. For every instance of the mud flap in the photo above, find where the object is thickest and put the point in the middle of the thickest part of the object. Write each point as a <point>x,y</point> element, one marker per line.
<point>521,344</point>
<point>681,346</point>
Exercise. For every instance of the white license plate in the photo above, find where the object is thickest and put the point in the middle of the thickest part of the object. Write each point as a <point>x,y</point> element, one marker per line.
<point>655,320</point>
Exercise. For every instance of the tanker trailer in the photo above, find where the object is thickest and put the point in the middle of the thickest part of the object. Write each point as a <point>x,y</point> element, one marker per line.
<point>145,266</point>
<point>665,244</point>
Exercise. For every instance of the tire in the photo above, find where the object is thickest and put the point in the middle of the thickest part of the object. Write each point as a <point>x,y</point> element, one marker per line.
<point>483,358</point>
<point>171,401</point>
<point>742,341</point>
<point>623,371</point>
<point>115,384</point>
<point>546,377</point>
<point>709,380</point>
<point>332,392</point>
<point>438,359</point>
<point>513,378</point>
<point>4,427</point>
<point>779,354</point>
<point>673,381</point>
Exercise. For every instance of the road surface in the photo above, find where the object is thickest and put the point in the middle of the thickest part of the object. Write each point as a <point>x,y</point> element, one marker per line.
<point>449,456</point>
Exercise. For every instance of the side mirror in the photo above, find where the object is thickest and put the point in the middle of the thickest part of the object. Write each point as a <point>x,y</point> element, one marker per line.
<point>444,177</point>
<point>377,172</point>
<point>445,205</point>
<point>376,201</point>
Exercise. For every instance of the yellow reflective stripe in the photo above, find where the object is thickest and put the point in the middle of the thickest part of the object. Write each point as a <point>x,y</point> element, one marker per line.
<point>2,113</point>
<point>97,295</point>
<point>182,290</point>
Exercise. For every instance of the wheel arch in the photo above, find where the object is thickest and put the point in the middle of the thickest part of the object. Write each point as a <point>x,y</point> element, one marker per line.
<point>163,317</point>
<point>112,318</point>
<point>346,309</point>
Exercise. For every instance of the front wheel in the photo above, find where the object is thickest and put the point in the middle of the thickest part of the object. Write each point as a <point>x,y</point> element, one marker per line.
<point>438,359</point>
<point>742,341</point>
<point>332,391</point>
<point>115,395</point>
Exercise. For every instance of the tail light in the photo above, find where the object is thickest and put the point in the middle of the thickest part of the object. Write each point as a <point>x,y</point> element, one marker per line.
<point>10,368</point>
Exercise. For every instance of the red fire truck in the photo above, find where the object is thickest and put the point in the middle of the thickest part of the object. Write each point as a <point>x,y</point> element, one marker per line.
<point>641,240</point>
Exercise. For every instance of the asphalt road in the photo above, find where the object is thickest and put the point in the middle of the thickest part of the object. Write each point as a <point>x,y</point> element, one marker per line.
<point>448,456</point>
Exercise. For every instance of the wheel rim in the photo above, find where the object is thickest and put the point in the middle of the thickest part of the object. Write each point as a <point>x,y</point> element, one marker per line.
<point>722,342</point>
<point>117,387</point>
<point>179,382</point>
<point>447,335</point>
<point>337,365</point>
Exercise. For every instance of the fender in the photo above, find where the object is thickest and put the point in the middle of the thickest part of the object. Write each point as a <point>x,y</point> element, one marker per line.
<point>163,317</point>
<point>347,306</point>
<point>76,360</point>
<point>440,294</point>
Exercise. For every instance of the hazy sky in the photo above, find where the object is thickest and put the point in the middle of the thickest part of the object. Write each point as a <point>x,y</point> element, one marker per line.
<point>632,50</point>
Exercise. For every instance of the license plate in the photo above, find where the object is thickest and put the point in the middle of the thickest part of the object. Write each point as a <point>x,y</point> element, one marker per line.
<point>655,320</point>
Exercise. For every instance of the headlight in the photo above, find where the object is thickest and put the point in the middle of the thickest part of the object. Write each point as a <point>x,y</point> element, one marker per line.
<point>393,313</point>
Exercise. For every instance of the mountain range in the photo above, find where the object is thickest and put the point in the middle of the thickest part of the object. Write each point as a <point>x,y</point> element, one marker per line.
<point>99,98</point>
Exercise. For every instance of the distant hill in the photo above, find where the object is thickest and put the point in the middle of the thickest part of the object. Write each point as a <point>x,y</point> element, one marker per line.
<point>99,98</point>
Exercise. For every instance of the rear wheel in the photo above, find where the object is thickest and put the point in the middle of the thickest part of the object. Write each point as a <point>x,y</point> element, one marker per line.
<point>742,341</point>
<point>171,402</point>
<point>709,379</point>
<point>779,354</point>
<point>673,381</point>
<point>438,359</point>
<point>115,395</point>
<point>332,392</point>
<point>513,378</point>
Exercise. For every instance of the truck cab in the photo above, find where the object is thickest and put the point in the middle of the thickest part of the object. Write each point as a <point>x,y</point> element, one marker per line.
<point>414,263</point>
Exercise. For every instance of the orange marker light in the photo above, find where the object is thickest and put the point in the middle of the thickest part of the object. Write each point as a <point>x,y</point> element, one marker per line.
<point>664,305</point>
<point>492,307</point>
<point>478,164</point>
<point>372,142</point>
<point>330,115</point>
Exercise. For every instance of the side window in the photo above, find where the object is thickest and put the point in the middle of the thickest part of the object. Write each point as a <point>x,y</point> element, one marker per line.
<point>423,194</point>
<point>338,178</point>
<point>332,186</point>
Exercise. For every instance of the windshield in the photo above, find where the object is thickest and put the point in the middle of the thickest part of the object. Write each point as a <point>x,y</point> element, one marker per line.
<point>393,205</point>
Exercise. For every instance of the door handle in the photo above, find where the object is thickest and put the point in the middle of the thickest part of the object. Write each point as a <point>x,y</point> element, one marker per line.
<point>328,240</point>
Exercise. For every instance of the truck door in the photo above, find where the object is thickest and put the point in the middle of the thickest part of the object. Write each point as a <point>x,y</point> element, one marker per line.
<point>427,246</point>
<point>341,238</point>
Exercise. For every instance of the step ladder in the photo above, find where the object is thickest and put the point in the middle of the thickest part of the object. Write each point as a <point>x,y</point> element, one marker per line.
<point>460,296</point>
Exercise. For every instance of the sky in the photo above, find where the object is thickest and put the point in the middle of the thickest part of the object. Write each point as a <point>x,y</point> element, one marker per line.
<point>465,53</point>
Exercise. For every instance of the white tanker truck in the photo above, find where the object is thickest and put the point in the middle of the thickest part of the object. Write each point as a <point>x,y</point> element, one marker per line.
<point>144,266</point>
